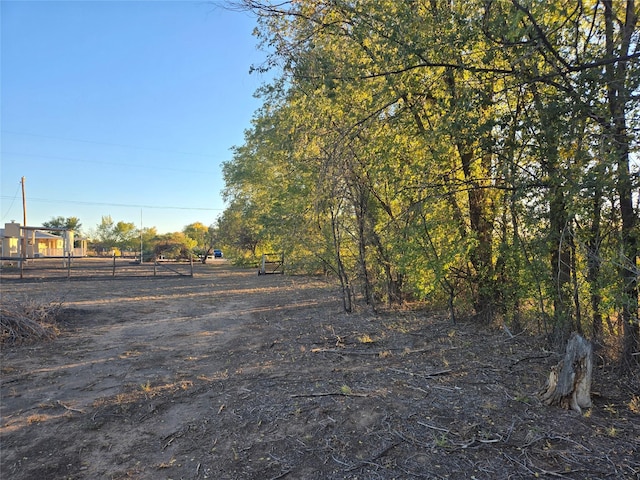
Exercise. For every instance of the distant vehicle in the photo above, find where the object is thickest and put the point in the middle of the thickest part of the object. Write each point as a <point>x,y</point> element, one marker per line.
<point>217,254</point>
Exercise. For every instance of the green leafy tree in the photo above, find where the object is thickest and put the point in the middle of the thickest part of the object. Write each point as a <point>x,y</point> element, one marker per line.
<point>174,246</point>
<point>149,238</point>
<point>587,53</point>
<point>69,223</point>
<point>199,232</point>
<point>121,235</point>
<point>104,236</point>
<point>126,236</point>
<point>455,144</point>
<point>239,231</point>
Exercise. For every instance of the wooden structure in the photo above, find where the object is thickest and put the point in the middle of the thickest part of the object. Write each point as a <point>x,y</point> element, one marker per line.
<point>93,268</point>
<point>271,263</point>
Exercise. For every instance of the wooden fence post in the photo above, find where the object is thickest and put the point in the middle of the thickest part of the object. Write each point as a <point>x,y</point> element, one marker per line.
<point>114,264</point>
<point>155,263</point>
<point>191,262</point>
<point>69,265</point>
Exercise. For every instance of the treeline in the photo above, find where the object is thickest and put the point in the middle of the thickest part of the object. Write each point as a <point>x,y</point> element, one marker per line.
<point>124,238</point>
<point>478,154</point>
<point>121,237</point>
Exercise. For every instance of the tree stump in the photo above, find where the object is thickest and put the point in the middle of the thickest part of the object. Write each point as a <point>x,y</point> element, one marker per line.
<point>569,383</point>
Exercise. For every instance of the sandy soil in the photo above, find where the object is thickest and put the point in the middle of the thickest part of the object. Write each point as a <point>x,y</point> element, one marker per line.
<point>231,375</point>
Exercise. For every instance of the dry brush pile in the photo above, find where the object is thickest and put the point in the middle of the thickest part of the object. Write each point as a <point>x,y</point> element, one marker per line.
<point>24,321</point>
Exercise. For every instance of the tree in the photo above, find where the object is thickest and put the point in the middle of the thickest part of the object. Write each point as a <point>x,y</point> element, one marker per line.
<point>588,53</point>
<point>622,82</point>
<point>198,232</point>
<point>104,234</point>
<point>126,236</point>
<point>69,223</point>
<point>174,245</point>
<point>455,144</point>
<point>121,235</point>
<point>239,231</point>
<point>149,237</point>
<point>205,238</point>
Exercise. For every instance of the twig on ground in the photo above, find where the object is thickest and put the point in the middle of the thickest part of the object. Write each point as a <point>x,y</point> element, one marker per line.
<point>531,357</point>
<point>282,475</point>
<point>375,457</point>
<point>417,388</point>
<point>71,409</point>
<point>434,427</point>
<point>423,375</point>
<point>339,461</point>
<point>329,394</point>
<point>343,351</point>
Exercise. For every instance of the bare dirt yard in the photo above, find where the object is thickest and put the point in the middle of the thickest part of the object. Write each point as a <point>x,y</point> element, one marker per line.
<point>231,375</point>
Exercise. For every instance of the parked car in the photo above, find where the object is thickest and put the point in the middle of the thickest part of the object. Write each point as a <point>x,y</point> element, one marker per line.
<point>217,254</point>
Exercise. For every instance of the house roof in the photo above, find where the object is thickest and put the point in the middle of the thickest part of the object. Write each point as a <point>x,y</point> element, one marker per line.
<point>39,234</point>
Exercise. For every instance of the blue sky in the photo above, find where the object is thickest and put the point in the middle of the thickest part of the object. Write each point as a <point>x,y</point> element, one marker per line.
<point>122,108</point>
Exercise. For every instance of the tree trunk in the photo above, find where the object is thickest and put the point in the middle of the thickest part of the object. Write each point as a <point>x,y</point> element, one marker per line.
<point>618,96</point>
<point>480,203</point>
<point>569,383</point>
<point>560,263</point>
<point>594,262</point>
<point>340,268</point>
<point>481,224</point>
<point>206,255</point>
<point>361,207</point>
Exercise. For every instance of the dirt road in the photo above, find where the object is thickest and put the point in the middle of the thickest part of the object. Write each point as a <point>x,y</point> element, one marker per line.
<point>231,375</point>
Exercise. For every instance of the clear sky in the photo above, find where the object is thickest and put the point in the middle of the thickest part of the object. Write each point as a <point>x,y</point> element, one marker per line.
<point>122,108</point>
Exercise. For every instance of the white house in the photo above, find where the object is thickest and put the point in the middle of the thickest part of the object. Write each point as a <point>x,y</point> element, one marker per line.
<point>39,242</point>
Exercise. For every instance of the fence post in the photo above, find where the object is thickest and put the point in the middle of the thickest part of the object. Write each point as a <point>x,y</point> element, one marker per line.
<point>114,264</point>
<point>69,265</point>
<point>191,262</point>
<point>155,262</point>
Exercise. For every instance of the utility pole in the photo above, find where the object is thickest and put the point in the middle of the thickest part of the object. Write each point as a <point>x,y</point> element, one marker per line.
<point>141,252</point>
<point>24,229</point>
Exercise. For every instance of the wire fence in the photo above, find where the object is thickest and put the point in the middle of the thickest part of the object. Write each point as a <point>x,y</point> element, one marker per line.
<point>52,268</point>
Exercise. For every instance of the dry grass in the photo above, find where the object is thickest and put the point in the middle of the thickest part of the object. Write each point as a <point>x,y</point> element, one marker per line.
<point>28,321</point>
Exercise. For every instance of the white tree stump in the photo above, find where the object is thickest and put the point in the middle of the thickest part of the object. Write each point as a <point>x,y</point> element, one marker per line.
<point>569,383</point>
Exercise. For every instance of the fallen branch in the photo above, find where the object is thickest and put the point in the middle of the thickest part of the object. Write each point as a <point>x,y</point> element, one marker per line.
<point>329,394</point>
<point>423,375</point>
<point>530,357</point>
<point>433,427</point>
<point>372,459</point>
<point>71,409</point>
<point>282,475</point>
<point>343,351</point>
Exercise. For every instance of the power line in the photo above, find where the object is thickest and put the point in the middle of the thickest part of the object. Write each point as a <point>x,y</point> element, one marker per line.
<point>128,205</point>
<point>113,164</point>
<point>106,143</point>
<point>13,199</point>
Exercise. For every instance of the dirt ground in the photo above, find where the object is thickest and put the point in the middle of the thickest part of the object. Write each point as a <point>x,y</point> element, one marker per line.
<point>231,375</point>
